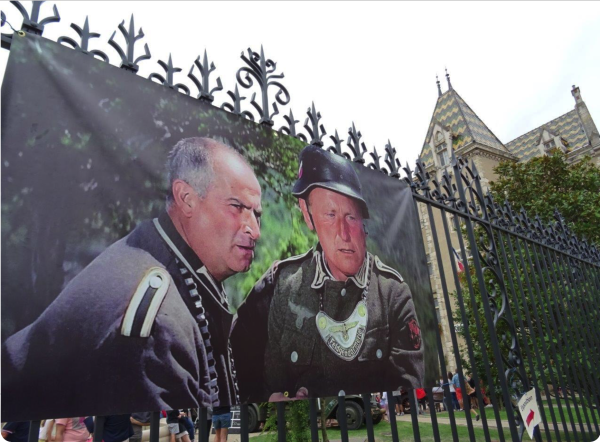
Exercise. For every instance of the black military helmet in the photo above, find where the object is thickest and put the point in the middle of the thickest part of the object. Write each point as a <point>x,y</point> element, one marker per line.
<point>320,168</point>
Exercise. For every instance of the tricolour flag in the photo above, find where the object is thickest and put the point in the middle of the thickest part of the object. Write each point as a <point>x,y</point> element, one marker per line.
<point>459,263</point>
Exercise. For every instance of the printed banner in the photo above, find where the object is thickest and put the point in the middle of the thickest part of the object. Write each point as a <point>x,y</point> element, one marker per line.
<point>159,253</point>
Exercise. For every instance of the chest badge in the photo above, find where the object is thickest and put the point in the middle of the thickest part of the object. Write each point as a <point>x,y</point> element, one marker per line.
<point>344,338</point>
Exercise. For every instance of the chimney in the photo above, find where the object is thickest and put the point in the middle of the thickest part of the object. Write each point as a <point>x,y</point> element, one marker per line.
<point>586,118</point>
<point>576,94</point>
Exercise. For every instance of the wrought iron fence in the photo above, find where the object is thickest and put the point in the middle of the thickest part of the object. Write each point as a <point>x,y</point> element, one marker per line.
<point>527,304</point>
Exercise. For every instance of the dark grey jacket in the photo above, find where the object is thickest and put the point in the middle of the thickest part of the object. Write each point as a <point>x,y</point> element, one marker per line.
<point>278,348</point>
<point>75,360</point>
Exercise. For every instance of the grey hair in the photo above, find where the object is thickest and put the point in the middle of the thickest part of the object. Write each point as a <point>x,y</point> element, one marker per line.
<point>191,160</point>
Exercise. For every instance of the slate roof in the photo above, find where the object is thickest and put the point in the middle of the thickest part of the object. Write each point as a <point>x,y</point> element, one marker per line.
<point>451,110</point>
<point>567,126</point>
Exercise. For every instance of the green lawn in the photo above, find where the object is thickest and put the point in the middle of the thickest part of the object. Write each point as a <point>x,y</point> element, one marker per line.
<point>405,431</point>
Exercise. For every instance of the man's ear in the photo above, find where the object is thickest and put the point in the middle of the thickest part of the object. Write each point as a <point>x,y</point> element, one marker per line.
<point>183,197</point>
<point>307,218</point>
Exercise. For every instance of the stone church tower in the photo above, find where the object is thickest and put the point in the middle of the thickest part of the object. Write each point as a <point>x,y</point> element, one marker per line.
<point>454,125</point>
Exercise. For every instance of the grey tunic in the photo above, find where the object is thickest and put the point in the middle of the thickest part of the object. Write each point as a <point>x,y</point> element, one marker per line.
<point>278,348</point>
<point>74,359</point>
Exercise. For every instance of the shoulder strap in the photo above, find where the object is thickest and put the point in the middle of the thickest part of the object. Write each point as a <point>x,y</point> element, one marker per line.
<point>387,269</point>
<point>145,302</point>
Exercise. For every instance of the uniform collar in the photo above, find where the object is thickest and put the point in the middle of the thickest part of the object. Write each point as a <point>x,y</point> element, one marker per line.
<point>184,253</point>
<point>323,273</point>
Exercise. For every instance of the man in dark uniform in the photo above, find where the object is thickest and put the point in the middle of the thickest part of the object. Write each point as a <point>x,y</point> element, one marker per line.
<point>335,317</point>
<point>146,324</point>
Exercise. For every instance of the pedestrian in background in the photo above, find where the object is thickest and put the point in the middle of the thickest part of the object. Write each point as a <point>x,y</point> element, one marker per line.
<point>177,430</point>
<point>71,429</point>
<point>455,404</point>
<point>221,421</point>
<point>16,431</point>
<point>138,422</point>
<point>456,383</point>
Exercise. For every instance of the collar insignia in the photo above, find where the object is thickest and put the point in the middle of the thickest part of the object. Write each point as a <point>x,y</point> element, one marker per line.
<point>323,273</point>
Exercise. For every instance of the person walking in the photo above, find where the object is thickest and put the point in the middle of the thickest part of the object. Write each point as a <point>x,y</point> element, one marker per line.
<point>455,403</point>
<point>472,395</point>
<point>384,406</point>
<point>138,422</point>
<point>16,431</point>
<point>71,429</point>
<point>221,422</point>
<point>457,389</point>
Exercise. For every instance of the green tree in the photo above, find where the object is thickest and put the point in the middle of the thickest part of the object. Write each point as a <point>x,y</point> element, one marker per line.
<point>542,297</point>
<point>548,182</point>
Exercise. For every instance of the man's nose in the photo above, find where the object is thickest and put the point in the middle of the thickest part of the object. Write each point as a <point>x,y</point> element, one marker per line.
<point>344,230</point>
<point>253,226</point>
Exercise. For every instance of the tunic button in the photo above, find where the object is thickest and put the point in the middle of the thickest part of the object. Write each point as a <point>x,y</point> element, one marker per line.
<point>156,281</point>
<point>379,353</point>
<point>294,356</point>
<point>343,292</point>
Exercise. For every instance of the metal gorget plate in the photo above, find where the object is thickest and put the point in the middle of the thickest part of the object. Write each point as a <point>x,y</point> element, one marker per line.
<point>344,338</point>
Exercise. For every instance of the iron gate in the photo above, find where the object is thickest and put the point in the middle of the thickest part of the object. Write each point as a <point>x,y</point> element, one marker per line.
<point>525,293</point>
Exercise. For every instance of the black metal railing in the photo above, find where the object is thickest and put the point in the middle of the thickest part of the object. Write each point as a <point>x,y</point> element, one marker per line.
<point>527,302</point>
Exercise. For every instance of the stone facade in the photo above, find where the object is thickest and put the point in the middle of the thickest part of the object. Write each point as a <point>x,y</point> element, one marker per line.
<point>455,126</point>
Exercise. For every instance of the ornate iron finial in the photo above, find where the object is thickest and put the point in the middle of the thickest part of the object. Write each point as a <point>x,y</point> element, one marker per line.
<point>170,70</point>
<point>376,164</point>
<point>437,81</point>
<point>357,147</point>
<point>262,70</point>
<point>448,78</point>
<point>315,130</point>
<point>236,107</point>
<point>291,127</point>
<point>32,22</point>
<point>128,62</point>
<point>390,159</point>
<point>6,38</point>
<point>86,36</point>
<point>337,144</point>
<point>205,92</point>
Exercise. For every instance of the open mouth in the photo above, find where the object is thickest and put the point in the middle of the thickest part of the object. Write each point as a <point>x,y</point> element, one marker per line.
<point>347,251</point>
<point>247,248</point>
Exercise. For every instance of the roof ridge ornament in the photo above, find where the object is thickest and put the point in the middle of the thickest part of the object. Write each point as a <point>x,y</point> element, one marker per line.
<point>448,78</point>
<point>437,80</point>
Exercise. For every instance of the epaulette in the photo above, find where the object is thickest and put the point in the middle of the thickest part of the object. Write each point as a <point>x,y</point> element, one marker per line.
<point>145,302</point>
<point>382,267</point>
<point>278,264</point>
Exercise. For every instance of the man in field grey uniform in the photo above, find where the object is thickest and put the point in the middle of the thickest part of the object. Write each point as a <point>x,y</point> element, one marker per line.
<point>334,317</point>
<point>146,324</point>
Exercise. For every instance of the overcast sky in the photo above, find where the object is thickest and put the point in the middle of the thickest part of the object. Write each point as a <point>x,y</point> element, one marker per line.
<point>374,63</point>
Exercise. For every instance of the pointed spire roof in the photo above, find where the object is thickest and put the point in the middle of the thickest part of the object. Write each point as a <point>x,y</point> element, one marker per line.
<point>466,127</point>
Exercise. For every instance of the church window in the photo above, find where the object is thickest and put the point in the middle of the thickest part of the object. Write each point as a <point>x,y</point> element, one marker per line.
<point>550,144</point>
<point>443,157</point>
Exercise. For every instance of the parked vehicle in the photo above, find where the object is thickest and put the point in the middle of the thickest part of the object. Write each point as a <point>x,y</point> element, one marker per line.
<point>355,412</point>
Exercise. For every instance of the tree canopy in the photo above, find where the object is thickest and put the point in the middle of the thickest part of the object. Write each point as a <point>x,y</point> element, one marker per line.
<point>548,182</point>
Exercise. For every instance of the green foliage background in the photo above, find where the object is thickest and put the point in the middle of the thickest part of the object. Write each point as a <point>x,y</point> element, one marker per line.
<point>548,182</point>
